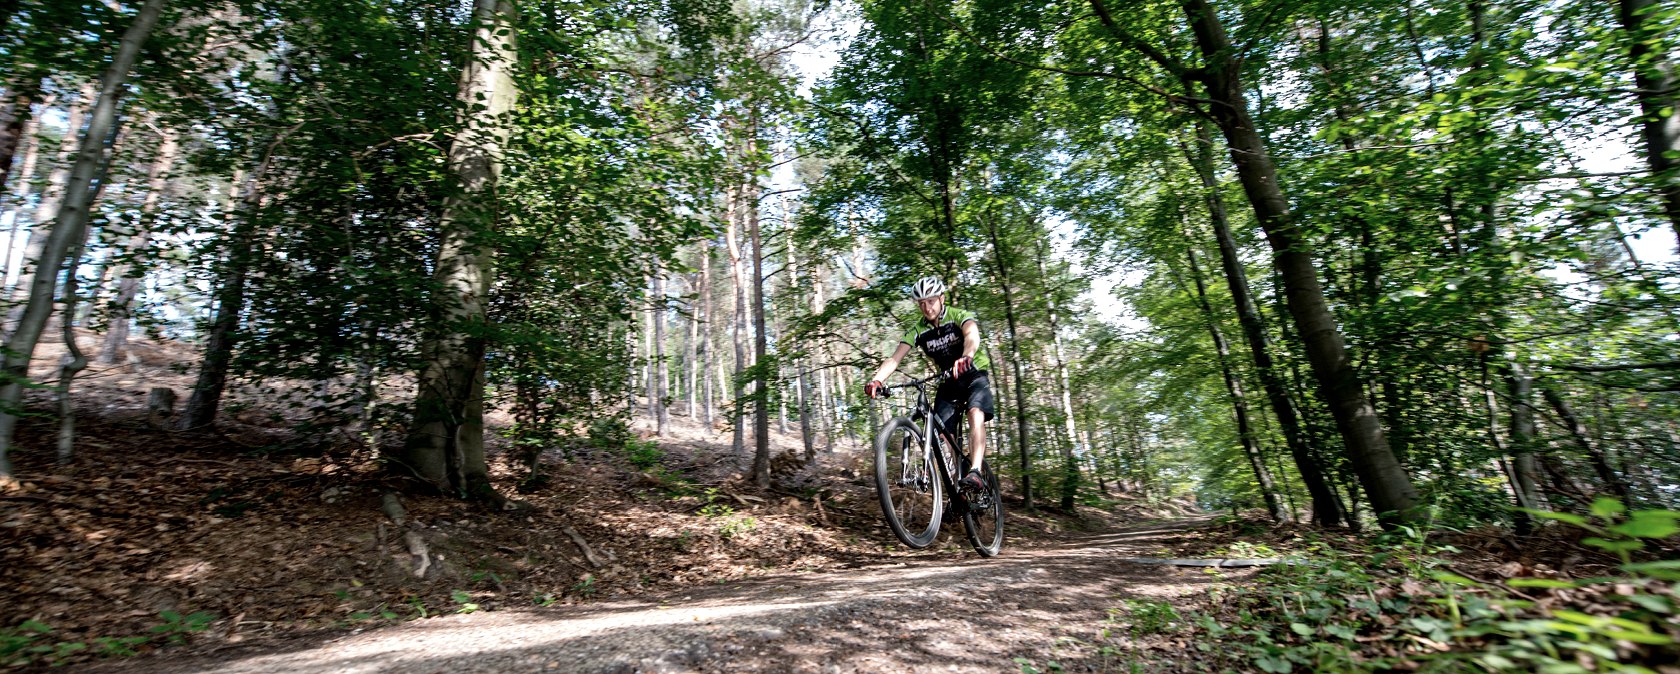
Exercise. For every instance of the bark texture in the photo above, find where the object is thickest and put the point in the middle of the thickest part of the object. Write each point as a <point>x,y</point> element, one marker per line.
<point>1658,92</point>
<point>1239,398</point>
<point>1386,484</point>
<point>70,228</point>
<point>445,444</point>
<point>1326,509</point>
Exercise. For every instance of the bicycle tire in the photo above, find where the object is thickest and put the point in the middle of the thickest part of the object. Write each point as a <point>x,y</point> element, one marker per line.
<point>911,497</point>
<point>983,520</point>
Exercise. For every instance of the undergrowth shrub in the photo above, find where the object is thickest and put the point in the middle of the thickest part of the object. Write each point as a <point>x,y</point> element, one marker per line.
<point>1406,608</point>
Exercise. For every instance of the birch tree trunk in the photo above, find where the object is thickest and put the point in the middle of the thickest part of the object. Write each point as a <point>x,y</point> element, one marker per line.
<point>738,331</point>
<point>1387,486</point>
<point>445,444</point>
<point>51,198</point>
<point>707,310</point>
<point>819,302</point>
<point>20,191</point>
<point>128,281</point>
<point>69,228</point>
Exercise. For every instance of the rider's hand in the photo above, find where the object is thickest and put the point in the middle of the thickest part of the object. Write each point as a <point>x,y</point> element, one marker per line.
<point>962,366</point>
<point>874,389</point>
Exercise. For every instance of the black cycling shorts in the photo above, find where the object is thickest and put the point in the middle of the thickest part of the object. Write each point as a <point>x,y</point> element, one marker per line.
<point>971,390</point>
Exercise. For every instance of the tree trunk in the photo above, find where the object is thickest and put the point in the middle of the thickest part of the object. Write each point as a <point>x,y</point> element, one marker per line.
<point>707,357</point>
<point>14,120</point>
<point>1325,509</point>
<point>72,362</point>
<point>761,378</point>
<point>445,444</point>
<point>1525,470</point>
<point>128,273</point>
<point>732,236</point>
<point>69,228</point>
<point>1658,90</point>
<point>691,360</point>
<point>1022,425</point>
<point>1583,440</point>
<point>1386,483</point>
<point>1239,400</point>
<point>1070,465</point>
<point>661,389</point>
<point>51,199</point>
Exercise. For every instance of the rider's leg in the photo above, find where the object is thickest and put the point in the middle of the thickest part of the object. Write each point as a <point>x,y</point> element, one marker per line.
<point>976,437</point>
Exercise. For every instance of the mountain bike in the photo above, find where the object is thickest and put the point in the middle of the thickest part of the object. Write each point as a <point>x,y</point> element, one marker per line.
<point>916,473</point>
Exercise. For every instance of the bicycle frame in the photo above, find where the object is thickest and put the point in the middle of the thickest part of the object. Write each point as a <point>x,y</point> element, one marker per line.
<point>933,441</point>
<point>918,445</point>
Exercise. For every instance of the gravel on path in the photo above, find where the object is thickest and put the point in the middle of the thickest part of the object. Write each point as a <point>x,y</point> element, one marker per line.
<point>948,610</point>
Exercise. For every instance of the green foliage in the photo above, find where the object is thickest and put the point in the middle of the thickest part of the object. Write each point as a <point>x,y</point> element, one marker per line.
<point>464,601</point>
<point>1326,613</point>
<point>586,587</point>
<point>177,627</point>
<point>1144,617</point>
<point>30,641</point>
<point>644,453</point>
<point>1030,667</point>
<point>1616,530</point>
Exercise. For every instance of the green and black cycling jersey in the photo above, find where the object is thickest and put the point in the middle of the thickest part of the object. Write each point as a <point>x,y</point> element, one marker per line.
<point>942,340</point>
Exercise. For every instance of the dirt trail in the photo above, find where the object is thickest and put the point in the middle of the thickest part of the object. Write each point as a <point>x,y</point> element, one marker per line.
<point>947,611</point>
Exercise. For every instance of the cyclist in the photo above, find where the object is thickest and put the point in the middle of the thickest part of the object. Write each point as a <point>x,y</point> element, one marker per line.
<point>950,337</point>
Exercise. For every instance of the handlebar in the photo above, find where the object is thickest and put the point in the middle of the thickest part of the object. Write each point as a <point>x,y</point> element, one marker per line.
<point>886,391</point>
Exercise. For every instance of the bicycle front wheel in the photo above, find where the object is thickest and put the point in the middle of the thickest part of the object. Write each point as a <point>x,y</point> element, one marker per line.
<point>983,517</point>
<point>911,495</point>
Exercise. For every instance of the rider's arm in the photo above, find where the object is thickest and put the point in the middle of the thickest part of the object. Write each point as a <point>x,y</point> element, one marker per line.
<point>971,338</point>
<point>891,363</point>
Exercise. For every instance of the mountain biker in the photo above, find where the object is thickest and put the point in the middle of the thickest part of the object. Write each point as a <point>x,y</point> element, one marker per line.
<point>950,337</point>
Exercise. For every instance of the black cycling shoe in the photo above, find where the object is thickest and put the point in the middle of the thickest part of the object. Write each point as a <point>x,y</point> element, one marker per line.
<point>972,482</point>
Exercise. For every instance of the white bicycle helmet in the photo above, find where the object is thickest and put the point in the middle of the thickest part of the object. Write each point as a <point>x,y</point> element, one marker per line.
<point>929,286</point>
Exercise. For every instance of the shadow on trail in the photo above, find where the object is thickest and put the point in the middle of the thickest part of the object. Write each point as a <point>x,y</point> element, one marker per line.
<point>951,611</point>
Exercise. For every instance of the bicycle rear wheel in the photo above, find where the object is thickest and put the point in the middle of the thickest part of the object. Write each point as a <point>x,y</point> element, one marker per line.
<point>909,487</point>
<point>983,516</point>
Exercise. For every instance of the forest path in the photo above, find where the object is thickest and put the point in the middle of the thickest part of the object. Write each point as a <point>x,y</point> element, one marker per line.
<point>949,610</point>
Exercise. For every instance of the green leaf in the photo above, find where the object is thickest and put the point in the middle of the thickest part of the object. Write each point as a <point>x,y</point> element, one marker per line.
<point>1580,618</point>
<point>1570,518</point>
<point>1302,629</point>
<point>1606,507</point>
<point>1273,664</point>
<point>1647,527</point>
<point>1452,578</point>
<point>1613,546</point>
<point>1651,602</point>
<point>1665,569</point>
<point>1639,637</point>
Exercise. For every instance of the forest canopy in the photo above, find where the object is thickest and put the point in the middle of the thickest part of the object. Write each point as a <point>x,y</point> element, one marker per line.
<point>1353,263</point>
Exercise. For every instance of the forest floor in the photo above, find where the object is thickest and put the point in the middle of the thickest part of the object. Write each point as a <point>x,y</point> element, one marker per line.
<point>273,543</point>
<point>253,535</point>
